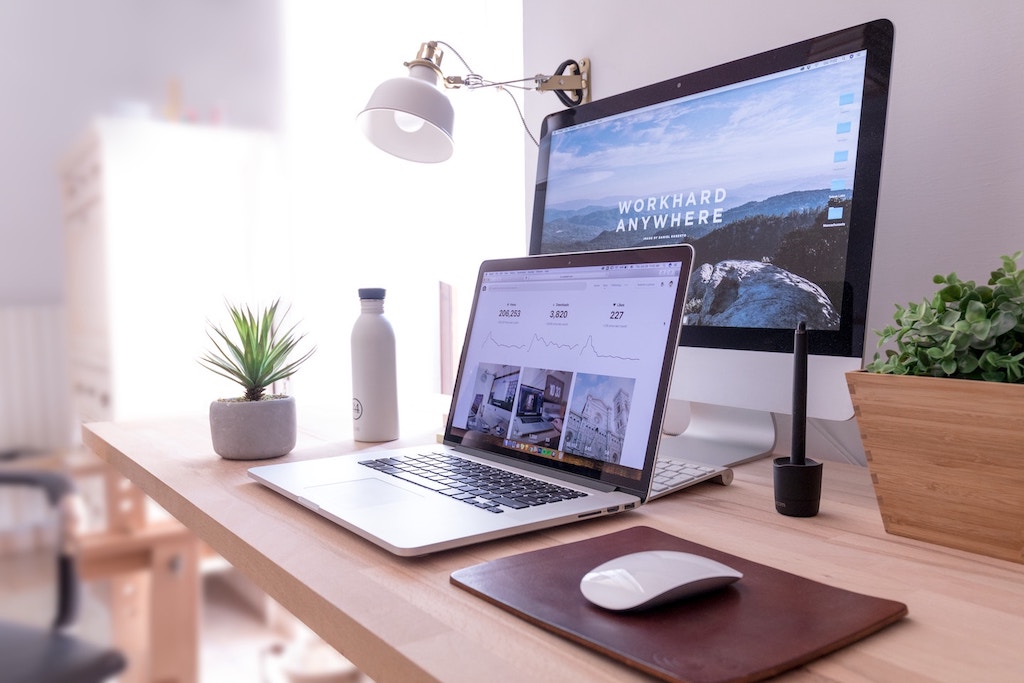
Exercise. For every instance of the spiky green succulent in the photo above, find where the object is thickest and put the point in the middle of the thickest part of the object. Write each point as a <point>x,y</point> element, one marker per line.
<point>258,357</point>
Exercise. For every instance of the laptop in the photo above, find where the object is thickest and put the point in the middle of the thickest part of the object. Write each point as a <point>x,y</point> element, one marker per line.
<point>556,412</point>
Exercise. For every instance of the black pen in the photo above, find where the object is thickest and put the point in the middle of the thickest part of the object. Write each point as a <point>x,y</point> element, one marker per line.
<point>798,453</point>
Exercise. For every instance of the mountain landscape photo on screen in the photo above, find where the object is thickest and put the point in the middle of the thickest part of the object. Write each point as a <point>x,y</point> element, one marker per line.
<point>758,178</point>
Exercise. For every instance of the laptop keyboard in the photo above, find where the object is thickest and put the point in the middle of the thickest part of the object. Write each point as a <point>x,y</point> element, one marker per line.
<point>486,487</point>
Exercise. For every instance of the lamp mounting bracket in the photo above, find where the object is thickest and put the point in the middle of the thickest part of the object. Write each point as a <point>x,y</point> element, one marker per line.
<point>576,79</point>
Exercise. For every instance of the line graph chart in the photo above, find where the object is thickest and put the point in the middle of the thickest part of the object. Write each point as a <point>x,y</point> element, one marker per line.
<point>580,348</point>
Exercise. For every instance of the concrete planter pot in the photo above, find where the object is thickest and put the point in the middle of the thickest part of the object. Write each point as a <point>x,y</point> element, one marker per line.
<point>946,458</point>
<point>253,430</point>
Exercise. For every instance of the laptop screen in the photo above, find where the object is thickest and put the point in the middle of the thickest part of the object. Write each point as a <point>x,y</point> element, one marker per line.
<point>568,358</point>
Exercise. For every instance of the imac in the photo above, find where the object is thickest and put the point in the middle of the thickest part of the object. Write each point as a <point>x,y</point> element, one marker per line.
<point>769,166</point>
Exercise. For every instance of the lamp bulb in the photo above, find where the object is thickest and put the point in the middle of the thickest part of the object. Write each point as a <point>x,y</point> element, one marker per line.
<point>410,123</point>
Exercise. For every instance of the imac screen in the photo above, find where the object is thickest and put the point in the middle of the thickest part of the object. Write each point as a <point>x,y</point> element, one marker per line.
<point>769,166</point>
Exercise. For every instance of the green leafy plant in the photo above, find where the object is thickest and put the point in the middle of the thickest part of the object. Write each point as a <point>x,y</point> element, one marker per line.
<point>259,356</point>
<point>965,331</point>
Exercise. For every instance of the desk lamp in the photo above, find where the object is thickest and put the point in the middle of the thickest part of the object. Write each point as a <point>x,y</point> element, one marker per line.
<point>412,119</point>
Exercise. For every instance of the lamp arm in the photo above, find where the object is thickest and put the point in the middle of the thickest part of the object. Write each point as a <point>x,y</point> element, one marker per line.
<point>576,82</point>
<point>474,81</point>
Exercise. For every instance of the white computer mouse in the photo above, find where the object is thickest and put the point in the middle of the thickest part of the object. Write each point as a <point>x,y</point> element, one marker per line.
<point>653,577</point>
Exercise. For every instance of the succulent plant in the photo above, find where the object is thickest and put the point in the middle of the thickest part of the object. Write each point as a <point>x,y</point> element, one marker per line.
<point>259,356</point>
<point>965,331</point>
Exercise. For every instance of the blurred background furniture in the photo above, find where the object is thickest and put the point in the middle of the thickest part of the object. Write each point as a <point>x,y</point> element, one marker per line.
<point>34,654</point>
<point>146,562</point>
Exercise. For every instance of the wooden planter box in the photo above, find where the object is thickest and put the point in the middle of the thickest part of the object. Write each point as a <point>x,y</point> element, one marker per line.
<point>946,458</point>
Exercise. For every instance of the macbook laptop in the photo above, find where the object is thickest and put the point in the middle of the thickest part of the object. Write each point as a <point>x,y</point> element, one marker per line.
<point>555,416</point>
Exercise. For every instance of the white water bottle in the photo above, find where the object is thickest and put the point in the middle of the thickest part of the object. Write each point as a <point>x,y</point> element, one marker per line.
<point>374,375</point>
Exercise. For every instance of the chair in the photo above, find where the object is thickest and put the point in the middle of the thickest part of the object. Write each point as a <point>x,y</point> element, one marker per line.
<point>52,655</point>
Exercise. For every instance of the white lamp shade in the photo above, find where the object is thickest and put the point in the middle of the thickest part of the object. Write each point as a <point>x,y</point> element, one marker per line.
<point>410,118</point>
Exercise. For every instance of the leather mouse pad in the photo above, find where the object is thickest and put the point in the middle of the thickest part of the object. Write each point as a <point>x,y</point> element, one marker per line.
<point>766,623</point>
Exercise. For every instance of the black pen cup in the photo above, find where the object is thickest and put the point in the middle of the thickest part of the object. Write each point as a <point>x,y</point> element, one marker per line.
<point>797,487</point>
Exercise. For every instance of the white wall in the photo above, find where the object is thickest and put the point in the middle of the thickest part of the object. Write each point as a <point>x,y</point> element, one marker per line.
<point>359,217</point>
<point>63,62</point>
<point>953,164</point>
<point>362,218</point>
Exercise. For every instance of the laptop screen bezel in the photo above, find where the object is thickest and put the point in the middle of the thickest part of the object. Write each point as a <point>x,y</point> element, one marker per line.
<point>606,475</point>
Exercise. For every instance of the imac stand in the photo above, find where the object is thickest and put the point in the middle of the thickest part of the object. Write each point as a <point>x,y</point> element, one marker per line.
<point>717,435</point>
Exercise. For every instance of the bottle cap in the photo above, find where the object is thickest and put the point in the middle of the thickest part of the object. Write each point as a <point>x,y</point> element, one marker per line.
<point>371,293</point>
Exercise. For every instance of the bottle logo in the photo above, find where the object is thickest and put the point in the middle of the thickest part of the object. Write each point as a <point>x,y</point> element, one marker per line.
<point>357,409</point>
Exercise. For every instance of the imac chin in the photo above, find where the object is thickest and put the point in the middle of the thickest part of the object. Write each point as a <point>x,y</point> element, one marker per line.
<point>769,166</point>
<point>708,422</point>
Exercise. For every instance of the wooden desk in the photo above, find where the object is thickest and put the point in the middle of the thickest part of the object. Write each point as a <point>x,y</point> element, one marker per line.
<point>401,620</point>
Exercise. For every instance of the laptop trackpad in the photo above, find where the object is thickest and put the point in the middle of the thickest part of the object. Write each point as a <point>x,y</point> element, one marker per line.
<point>360,493</point>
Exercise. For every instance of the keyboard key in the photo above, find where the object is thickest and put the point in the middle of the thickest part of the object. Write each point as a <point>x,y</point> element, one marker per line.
<point>509,502</point>
<point>421,481</point>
